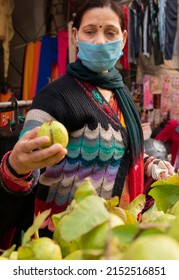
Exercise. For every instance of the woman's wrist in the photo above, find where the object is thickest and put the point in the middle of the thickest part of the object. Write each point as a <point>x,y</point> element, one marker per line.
<point>17,170</point>
<point>12,182</point>
<point>11,169</point>
<point>6,166</point>
<point>148,162</point>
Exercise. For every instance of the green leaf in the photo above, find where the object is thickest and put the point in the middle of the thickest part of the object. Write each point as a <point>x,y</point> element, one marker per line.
<point>125,233</point>
<point>151,214</point>
<point>9,251</point>
<point>56,217</point>
<point>67,247</point>
<point>112,203</point>
<point>172,181</point>
<point>95,238</point>
<point>165,196</point>
<point>84,190</point>
<point>175,209</point>
<point>14,256</point>
<point>38,221</point>
<point>88,213</point>
<point>136,206</point>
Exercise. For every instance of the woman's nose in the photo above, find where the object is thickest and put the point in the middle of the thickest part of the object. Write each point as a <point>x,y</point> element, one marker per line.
<point>100,39</point>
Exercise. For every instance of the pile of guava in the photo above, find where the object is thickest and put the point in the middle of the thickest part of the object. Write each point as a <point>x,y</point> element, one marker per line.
<point>92,228</point>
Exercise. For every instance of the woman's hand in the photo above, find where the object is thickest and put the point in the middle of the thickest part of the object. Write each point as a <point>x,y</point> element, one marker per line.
<point>162,170</point>
<point>27,154</point>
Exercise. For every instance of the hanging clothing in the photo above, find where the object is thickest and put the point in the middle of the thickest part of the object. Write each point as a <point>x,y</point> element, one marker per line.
<point>28,70</point>
<point>161,23</point>
<point>48,56</point>
<point>34,75</point>
<point>158,55</point>
<point>170,27</point>
<point>146,37</point>
<point>62,51</point>
<point>6,30</point>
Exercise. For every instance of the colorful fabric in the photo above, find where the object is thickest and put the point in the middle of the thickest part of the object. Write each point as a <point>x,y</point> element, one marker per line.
<point>124,59</point>
<point>34,75</point>
<point>48,56</point>
<point>28,70</point>
<point>170,135</point>
<point>62,51</point>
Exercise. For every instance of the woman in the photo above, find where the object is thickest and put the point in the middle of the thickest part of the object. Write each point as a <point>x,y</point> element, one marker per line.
<point>105,136</point>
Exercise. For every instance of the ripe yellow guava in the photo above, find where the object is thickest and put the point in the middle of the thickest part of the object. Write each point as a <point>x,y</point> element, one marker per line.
<point>56,132</point>
<point>153,247</point>
<point>42,248</point>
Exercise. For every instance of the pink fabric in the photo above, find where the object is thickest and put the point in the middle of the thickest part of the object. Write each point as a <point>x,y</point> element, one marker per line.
<point>136,179</point>
<point>170,135</point>
<point>62,51</point>
<point>124,59</point>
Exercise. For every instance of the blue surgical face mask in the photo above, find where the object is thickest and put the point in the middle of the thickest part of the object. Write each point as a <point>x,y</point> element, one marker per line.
<point>100,57</point>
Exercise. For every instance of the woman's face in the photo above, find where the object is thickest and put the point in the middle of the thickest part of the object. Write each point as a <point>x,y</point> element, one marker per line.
<point>99,26</point>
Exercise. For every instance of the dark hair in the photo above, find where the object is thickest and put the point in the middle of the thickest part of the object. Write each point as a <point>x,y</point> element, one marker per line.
<point>90,4</point>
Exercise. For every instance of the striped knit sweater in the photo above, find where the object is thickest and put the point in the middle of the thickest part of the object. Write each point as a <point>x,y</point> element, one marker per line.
<point>97,142</point>
<point>95,148</point>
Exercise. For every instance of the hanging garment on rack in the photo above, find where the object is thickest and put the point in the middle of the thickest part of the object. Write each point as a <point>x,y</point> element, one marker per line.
<point>62,51</point>
<point>28,70</point>
<point>133,35</point>
<point>171,27</point>
<point>35,71</point>
<point>6,30</point>
<point>48,56</point>
<point>158,54</point>
<point>146,38</point>
<point>161,19</point>
<point>177,44</point>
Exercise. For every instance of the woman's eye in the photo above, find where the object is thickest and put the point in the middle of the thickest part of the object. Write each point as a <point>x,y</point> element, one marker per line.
<point>89,32</point>
<point>111,33</point>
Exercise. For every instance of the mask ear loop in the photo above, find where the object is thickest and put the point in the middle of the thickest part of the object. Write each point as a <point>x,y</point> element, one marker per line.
<point>76,47</point>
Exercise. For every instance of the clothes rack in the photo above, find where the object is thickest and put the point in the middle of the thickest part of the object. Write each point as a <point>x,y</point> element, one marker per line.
<point>9,106</point>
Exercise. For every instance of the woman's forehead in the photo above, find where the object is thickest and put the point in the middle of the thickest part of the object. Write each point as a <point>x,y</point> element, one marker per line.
<point>99,16</point>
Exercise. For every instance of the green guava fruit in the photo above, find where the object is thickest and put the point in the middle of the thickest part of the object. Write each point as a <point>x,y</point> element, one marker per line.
<point>97,237</point>
<point>67,247</point>
<point>153,247</point>
<point>42,248</point>
<point>56,132</point>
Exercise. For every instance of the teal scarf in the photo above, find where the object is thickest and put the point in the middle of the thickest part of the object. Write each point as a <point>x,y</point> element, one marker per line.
<point>113,80</point>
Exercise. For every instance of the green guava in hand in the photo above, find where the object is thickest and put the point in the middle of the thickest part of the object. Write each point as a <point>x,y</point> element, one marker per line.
<point>56,132</point>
